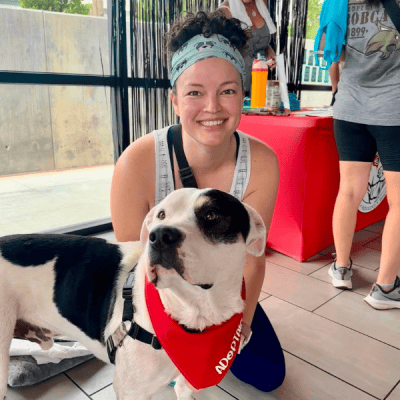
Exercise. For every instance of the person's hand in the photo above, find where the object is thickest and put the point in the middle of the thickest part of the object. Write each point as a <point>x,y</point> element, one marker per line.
<point>271,57</point>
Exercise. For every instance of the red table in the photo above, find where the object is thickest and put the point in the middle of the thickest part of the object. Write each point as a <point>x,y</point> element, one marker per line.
<point>309,182</point>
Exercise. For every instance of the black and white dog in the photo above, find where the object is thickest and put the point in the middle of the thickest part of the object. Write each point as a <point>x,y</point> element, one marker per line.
<point>193,247</point>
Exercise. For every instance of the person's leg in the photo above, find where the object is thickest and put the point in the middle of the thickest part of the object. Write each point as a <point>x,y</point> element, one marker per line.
<point>385,293</point>
<point>354,176</point>
<point>357,149</point>
<point>261,363</point>
<point>390,258</point>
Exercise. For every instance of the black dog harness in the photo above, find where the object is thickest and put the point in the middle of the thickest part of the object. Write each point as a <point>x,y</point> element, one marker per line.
<point>135,331</point>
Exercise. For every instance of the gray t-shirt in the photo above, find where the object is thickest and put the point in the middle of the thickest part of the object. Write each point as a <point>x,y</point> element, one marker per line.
<point>369,88</point>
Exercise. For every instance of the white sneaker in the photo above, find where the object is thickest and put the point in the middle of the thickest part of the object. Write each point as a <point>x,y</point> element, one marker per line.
<point>341,277</point>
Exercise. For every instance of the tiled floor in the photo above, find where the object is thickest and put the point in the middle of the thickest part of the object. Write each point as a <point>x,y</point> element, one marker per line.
<point>336,346</point>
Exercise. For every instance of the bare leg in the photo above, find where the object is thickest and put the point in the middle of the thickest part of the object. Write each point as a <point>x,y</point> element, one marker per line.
<point>390,259</point>
<point>354,178</point>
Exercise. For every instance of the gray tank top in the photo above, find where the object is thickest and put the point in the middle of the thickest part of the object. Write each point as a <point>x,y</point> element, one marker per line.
<point>164,175</point>
<point>369,88</point>
<point>259,41</point>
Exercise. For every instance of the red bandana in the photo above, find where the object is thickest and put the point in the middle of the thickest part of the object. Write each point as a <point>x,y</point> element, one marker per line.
<point>202,358</point>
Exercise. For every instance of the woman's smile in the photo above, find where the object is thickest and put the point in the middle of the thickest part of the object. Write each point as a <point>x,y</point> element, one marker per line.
<point>209,104</point>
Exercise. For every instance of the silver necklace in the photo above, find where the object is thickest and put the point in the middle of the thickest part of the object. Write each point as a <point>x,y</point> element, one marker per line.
<point>253,13</point>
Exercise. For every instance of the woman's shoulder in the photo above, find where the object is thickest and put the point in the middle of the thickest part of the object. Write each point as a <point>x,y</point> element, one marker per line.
<point>261,152</point>
<point>140,152</point>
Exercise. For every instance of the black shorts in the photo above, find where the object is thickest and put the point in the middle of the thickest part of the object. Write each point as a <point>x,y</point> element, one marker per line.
<point>359,142</point>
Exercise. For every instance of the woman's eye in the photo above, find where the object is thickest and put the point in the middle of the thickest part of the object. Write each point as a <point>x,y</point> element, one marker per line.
<point>194,93</point>
<point>211,216</point>
<point>161,215</point>
<point>230,91</point>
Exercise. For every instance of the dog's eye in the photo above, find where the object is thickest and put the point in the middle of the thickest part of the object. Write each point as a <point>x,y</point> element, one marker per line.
<point>211,216</point>
<point>161,215</point>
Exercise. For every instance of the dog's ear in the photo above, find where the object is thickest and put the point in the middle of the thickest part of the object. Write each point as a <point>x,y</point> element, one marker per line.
<point>256,239</point>
<point>144,233</point>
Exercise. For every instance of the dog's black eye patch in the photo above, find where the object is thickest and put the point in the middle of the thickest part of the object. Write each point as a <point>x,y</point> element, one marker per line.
<point>221,217</point>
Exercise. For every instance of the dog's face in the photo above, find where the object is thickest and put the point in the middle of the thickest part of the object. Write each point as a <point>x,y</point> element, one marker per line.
<point>200,238</point>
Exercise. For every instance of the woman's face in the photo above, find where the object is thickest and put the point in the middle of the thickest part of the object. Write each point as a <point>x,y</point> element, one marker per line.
<point>209,100</point>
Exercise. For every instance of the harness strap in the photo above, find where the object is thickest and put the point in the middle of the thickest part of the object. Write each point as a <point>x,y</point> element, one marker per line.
<point>135,331</point>
<point>185,171</point>
<point>174,139</point>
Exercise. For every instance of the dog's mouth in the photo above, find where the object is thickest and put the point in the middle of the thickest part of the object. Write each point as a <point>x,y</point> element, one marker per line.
<point>153,274</point>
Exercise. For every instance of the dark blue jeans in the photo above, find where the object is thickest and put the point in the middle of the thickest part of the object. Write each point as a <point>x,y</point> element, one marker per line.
<point>261,363</point>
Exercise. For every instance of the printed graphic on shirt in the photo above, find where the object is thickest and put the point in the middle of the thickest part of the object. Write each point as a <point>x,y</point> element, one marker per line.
<point>376,191</point>
<point>371,23</point>
<point>387,40</point>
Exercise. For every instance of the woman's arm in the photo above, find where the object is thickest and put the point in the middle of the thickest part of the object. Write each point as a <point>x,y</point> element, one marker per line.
<point>224,8</point>
<point>271,56</point>
<point>261,195</point>
<point>132,189</point>
<point>334,75</point>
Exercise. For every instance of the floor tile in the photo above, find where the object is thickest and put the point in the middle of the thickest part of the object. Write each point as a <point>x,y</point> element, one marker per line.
<point>363,362</point>
<point>105,394</point>
<point>375,244</point>
<point>395,395</point>
<point>302,382</point>
<point>168,393</point>
<point>263,296</point>
<point>362,278</point>
<point>296,288</point>
<point>59,387</point>
<point>377,228</point>
<point>366,257</point>
<point>349,309</point>
<point>361,239</point>
<point>92,376</point>
<point>305,268</point>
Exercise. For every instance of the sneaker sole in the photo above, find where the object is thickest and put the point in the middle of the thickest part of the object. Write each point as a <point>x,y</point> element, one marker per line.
<point>340,283</point>
<point>381,304</point>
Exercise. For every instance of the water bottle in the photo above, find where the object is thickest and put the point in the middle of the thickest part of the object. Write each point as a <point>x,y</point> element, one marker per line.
<point>259,77</point>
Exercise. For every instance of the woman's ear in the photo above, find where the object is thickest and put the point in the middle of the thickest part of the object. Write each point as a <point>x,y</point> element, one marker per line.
<point>256,240</point>
<point>174,101</point>
<point>144,233</point>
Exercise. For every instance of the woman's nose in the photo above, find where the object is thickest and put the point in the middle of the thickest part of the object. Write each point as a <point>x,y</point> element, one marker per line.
<point>212,103</point>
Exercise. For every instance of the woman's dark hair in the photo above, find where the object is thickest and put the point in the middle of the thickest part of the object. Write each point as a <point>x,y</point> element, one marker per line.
<point>208,24</point>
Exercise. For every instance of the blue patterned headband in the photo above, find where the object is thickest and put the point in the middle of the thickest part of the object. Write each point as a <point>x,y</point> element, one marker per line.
<point>199,48</point>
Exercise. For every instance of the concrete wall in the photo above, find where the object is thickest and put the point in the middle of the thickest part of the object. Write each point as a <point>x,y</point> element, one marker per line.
<point>53,127</point>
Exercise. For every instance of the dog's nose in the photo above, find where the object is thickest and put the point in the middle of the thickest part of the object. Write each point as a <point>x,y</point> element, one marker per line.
<point>163,237</point>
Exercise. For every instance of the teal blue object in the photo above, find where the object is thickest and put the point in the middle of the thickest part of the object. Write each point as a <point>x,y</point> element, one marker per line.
<point>173,383</point>
<point>332,22</point>
<point>246,102</point>
<point>293,102</point>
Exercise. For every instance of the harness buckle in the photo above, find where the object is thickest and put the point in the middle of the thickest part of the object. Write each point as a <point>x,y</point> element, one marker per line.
<point>155,343</point>
<point>119,335</point>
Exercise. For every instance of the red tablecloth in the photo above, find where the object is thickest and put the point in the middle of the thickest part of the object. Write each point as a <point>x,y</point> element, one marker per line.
<point>309,182</point>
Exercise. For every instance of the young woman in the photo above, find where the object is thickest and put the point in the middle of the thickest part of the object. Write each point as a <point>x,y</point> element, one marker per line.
<point>207,75</point>
<point>253,13</point>
<point>367,120</point>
